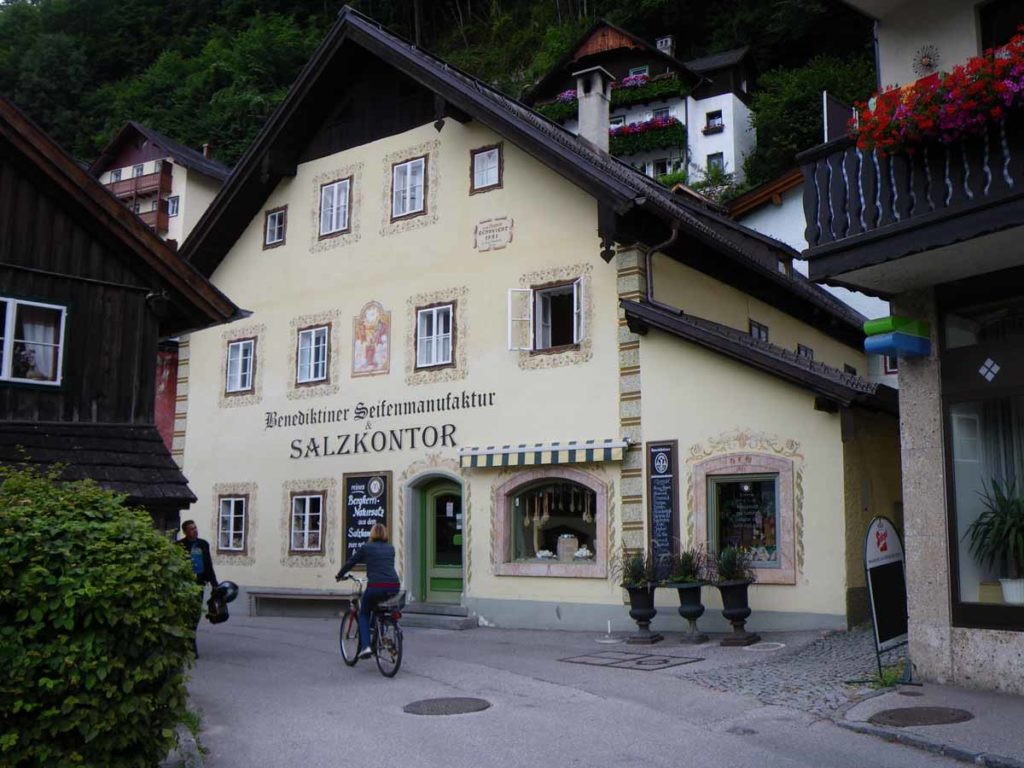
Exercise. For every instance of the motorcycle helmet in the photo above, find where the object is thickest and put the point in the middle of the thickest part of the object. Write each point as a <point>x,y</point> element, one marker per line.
<point>227,590</point>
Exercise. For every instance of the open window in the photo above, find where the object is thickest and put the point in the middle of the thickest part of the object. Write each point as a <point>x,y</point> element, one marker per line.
<point>31,341</point>
<point>548,317</point>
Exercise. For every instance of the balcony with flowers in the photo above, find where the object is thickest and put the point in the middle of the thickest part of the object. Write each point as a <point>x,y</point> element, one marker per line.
<point>647,135</point>
<point>929,185</point>
<point>635,89</point>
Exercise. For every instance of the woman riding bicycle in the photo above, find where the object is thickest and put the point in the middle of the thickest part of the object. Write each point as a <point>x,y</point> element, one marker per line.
<point>382,580</point>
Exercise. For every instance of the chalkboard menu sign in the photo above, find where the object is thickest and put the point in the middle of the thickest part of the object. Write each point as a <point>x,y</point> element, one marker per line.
<point>367,501</point>
<point>662,502</point>
<point>887,586</point>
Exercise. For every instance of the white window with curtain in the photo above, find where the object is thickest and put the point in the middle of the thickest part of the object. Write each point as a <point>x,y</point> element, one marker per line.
<point>32,341</point>
<point>231,524</point>
<point>408,188</point>
<point>307,522</point>
<point>334,205</point>
<point>434,336</point>
<point>543,318</point>
<point>312,357</point>
<point>241,357</point>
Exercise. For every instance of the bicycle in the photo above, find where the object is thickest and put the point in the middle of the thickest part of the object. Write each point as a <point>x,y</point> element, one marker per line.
<point>385,631</point>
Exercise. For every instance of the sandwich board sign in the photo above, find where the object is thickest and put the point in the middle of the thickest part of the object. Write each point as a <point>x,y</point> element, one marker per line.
<point>887,585</point>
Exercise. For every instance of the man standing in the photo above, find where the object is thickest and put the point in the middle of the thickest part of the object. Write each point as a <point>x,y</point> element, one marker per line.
<point>202,565</point>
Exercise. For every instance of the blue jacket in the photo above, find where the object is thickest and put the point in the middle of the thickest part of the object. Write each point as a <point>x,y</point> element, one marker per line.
<point>379,559</point>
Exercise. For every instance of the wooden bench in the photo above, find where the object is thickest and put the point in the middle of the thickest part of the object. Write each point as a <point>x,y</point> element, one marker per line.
<point>264,595</point>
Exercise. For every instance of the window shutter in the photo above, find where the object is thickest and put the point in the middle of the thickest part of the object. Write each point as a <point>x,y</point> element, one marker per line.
<point>520,318</point>
<point>577,310</point>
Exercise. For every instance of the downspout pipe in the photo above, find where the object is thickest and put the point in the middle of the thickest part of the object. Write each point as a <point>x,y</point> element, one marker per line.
<point>648,267</point>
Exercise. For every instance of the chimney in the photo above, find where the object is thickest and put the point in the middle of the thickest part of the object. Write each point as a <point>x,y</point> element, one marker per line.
<point>666,45</point>
<point>207,151</point>
<point>593,94</point>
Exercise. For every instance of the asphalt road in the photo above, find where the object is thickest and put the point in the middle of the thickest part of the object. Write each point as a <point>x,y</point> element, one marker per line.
<point>275,692</point>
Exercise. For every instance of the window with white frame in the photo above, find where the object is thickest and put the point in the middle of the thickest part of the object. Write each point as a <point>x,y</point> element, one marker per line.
<point>434,337</point>
<point>617,122</point>
<point>714,119</point>
<point>115,175</point>
<point>307,522</point>
<point>334,204</point>
<point>486,168</point>
<point>31,341</point>
<point>545,317</point>
<point>240,367</point>
<point>312,358</point>
<point>274,227</point>
<point>408,188</point>
<point>716,162</point>
<point>231,524</point>
<point>661,167</point>
<point>639,70</point>
<point>891,364</point>
<point>138,170</point>
<point>172,206</point>
<point>661,113</point>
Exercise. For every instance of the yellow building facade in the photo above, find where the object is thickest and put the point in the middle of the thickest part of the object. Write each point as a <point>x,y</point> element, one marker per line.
<point>453,332</point>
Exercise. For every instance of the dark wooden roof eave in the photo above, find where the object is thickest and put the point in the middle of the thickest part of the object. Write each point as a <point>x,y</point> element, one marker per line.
<point>642,315</point>
<point>197,296</point>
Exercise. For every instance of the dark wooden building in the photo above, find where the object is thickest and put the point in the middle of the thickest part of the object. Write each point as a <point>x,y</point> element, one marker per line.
<point>86,293</point>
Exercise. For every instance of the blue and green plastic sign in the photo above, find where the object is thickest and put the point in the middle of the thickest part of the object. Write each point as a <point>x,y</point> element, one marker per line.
<point>898,336</point>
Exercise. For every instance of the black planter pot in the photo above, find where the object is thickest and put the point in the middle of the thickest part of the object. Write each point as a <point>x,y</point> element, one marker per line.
<point>736,609</point>
<point>642,610</point>
<point>690,608</point>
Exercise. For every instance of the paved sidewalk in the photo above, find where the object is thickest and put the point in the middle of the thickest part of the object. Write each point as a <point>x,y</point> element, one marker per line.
<point>995,737</point>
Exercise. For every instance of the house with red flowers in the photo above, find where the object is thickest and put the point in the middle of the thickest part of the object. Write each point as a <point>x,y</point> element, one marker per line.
<point>924,205</point>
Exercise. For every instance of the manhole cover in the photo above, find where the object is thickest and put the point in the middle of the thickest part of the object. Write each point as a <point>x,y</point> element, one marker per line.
<point>455,705</point>
<point>909,716</point>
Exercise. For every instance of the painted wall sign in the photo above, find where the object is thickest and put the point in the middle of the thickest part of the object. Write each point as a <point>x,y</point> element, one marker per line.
<point>376,441</point>
<point>493,234</point>
<point>887,585</point>
<point>367,502</point>
<point>662,502</point>
<point>371,340</point>
<point>382,409</point>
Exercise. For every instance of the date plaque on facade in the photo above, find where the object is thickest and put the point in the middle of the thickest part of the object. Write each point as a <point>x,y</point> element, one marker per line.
<point>493,234</point>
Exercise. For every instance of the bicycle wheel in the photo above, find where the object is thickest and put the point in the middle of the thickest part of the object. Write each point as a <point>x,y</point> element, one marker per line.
<point>389,647</point>
<point>349,640</point>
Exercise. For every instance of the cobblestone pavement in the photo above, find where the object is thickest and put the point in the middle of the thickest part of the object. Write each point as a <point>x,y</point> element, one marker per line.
<point>822,677</point>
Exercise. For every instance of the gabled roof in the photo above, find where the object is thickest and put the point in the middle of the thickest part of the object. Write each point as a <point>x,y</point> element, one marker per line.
<point>831,383</point>
<point>563,67</point>
<point>718,60</point>
<point>195,303</point>
<point>764,193</point>
<point>616,186</point>
<point>186,156</point>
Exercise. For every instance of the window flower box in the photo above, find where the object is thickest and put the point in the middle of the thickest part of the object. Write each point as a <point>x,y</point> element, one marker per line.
<point>635,89</point>
<point>657,133</point>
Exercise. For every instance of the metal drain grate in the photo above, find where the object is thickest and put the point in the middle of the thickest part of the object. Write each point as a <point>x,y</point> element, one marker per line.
<point>453,705</point>
<point>624,660</point>
<point>907,717</point>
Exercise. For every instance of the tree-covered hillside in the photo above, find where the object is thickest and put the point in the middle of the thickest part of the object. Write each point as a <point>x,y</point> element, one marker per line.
<point>213,70</point>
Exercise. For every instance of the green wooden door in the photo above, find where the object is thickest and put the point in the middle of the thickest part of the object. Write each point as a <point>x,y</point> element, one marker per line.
<point>441,553</point>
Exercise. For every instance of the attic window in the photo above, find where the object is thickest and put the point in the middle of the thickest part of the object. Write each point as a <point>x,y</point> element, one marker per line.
<point>486,170</point>
<point>804,352</point>
<point>644,70</point>
<point>758,330</point>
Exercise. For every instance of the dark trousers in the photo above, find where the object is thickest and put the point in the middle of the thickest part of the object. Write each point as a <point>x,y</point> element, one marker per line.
<point>372,597</point>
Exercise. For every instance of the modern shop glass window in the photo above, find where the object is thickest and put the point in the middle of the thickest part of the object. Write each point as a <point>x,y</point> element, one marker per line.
<point>743,511</point>
<point>307,522</point>
<point>312,357</point>
<point>31,341</point>
<point>553,520</point>
<point>231,524</point>
<point>241,362</point>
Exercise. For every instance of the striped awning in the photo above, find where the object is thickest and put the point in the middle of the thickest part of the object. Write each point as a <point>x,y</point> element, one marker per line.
<point>535,454</point>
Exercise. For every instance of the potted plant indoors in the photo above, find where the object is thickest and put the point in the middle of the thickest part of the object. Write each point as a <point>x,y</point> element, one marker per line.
<point>686,576</point>
<point>639,580</point>
<point>996,537</point>
<point>733,577</point>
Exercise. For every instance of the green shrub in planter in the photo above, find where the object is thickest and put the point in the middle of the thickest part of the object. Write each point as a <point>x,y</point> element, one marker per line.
<point>97,611</point>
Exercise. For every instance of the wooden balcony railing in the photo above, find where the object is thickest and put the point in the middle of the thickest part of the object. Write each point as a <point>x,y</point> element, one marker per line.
<point>156,220</point>
<point>851,193</point>
<point>157,183</point>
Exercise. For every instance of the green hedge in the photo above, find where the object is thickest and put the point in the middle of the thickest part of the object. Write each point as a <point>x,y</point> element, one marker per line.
<point>97,611</point>
<point>673,135</point>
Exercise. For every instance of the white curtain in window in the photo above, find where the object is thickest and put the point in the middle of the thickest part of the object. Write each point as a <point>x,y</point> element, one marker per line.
<point>39,328</point>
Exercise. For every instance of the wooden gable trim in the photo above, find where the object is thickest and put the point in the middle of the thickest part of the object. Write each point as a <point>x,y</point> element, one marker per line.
<point>767,192</point>
<point>605,39</point>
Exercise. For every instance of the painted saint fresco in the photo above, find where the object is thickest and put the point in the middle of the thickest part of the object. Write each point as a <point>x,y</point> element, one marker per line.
<point>371,341</point>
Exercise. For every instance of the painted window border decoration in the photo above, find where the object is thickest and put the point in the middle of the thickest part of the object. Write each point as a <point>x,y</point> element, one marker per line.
<point>249,397</point>
<point>301,390</point>
<point>382,339</point>
<point>431,188</point>
<point>501,524</point>
<point>473,155</point>
<point>578,353</point>
<point>354,174</point>
<point>330,515</point>
<point>244,498</point>
<point>452,335</point>
<point>307,494</point>
<point>750,453</point>
<point>232,557</point>
<point>458,369</point>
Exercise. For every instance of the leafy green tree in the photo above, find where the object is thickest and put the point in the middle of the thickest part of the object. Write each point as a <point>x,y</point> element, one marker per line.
<point>45,88</point>
<point>97,613</point>
<point>786,109</point>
